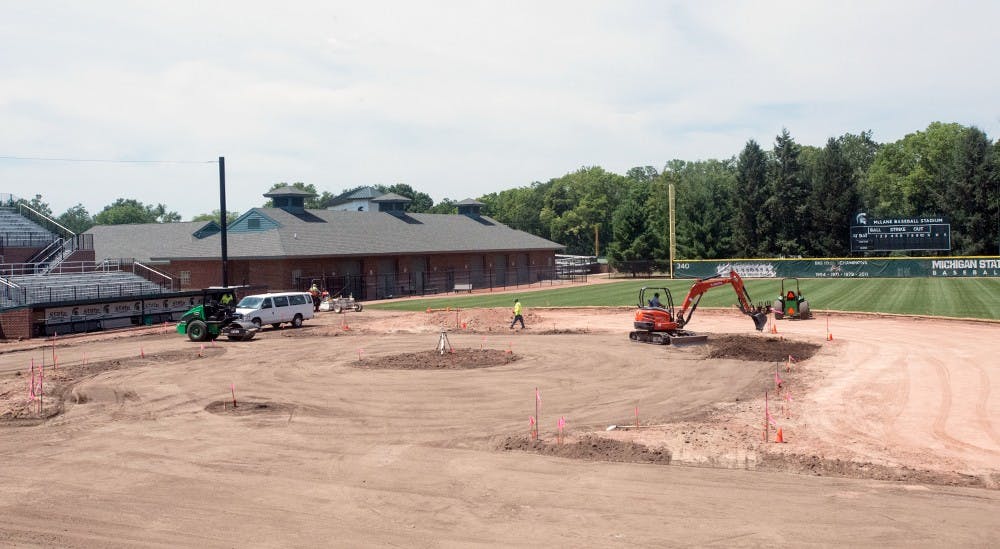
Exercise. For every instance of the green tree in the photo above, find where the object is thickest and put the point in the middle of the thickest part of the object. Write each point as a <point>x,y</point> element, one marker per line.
<point>631,241</point>
<point>751,221</point>
<point>519,208</point>
<point>969,194</point>
<point>216,216</point>
<point>76,219</point>
<point>705,214</point>
<point>910,177</point>
<point>790,190</point>
<point>833,201</point>
<point>39,205</point>
<point>419,202</point>
<point>128,210</point>
<point>446,206</point>
<point>577,203</point>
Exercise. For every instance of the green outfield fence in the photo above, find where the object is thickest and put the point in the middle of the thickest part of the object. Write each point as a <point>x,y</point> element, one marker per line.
<point>844,267</point>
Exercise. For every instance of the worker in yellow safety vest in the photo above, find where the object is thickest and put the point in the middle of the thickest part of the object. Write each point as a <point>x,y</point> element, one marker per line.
<point>517,315</point>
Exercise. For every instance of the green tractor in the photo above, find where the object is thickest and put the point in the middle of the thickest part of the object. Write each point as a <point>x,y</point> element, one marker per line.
<point>216,316</point>
<point>790,303</point>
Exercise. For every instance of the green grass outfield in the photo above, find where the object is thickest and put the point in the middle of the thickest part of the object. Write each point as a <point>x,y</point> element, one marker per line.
<point>951,297</point>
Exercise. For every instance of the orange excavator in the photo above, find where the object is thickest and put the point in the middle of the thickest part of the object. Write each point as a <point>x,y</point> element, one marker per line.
<point>657,322</point>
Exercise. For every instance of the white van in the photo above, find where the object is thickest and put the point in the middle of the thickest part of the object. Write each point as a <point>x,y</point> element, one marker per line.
<point>274,309</point>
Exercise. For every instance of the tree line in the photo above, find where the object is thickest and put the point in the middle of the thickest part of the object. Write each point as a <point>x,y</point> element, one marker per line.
<point>781,200</point>
<point>785,200</point>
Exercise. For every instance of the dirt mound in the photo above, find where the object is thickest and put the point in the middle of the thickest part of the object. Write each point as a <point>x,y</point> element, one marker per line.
<point>815,465</point>
<point>251,406</point>
<point>589,448</point>
<point>460,359</point>
<point>758,348</point>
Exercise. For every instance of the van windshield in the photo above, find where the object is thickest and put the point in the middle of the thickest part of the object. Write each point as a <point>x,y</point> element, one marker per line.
<point>250,302</point>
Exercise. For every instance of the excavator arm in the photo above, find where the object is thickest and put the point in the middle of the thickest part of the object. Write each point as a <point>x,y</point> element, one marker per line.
<point>698,289</point>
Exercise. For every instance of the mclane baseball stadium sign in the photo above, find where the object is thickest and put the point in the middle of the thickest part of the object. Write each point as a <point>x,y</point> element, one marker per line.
<point>883,267</point>
<point>900,234</point>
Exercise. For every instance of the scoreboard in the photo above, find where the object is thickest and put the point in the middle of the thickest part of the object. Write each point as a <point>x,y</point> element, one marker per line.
<point>900,234</point>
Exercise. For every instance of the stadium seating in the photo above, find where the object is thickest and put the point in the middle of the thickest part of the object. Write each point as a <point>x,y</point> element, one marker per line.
<point>53,288</point>
<point>17,231</point>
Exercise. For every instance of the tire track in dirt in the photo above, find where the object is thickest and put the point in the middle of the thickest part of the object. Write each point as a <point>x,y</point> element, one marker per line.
<point>981,406</point>
<point>939,428</point>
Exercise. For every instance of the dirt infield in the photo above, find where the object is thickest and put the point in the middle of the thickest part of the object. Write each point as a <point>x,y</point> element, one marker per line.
<point>357,419</point>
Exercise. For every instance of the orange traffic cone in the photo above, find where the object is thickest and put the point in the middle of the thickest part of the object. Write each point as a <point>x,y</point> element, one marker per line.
<point>829,336</point>
<point>774,328</point>
<point>778,437</point>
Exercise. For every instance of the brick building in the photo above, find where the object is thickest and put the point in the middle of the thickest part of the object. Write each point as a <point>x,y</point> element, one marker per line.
<point>370,254</point>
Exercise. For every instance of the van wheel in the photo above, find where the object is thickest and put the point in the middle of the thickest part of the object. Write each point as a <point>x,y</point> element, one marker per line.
<point>297,321</point>
<point>256,322</point>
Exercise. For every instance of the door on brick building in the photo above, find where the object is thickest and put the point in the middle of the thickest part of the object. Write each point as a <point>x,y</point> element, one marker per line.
<point>349,281</point>
<point>386,277</point>
<point>418,270</point>
<point>523,270</point>
<point>500,270</point>
<point>476,277</point>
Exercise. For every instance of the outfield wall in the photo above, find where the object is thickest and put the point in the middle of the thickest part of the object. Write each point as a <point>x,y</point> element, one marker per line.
<point>844,267</point>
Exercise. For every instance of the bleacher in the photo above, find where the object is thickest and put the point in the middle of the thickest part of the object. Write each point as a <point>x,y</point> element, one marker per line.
<point>17,231</point>
<point>53,288</point>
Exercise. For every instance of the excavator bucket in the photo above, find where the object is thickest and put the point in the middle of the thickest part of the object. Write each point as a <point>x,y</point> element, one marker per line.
<point>759,320</point>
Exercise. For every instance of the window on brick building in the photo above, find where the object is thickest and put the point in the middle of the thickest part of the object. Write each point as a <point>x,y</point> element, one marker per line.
<point>185,278</point>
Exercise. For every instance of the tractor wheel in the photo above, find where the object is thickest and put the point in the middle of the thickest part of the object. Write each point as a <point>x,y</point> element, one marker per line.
<point>804,312</point>
<point>358,307</point>
<point>197,330</point>
<point>297,321</point>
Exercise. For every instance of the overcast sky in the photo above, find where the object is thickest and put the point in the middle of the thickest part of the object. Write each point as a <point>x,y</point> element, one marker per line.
<point>458,99</point>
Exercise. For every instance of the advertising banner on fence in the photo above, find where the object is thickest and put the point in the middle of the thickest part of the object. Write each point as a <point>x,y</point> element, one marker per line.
<point>843,267</point>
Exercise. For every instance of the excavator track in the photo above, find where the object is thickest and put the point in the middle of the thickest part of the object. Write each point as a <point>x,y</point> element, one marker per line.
<point>679,337</point>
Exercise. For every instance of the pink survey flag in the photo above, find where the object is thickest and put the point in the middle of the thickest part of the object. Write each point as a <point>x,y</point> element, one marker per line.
<point>770,420</point>
<point>538,396</point>
<point>562,423</point>
<point>531,421</point>
<point>777,378</point>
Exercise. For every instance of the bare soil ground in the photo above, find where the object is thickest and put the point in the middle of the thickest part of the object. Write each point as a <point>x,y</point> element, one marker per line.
<point>354,431</point>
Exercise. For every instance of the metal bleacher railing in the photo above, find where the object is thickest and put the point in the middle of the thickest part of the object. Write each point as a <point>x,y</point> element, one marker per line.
<point>21,284</point>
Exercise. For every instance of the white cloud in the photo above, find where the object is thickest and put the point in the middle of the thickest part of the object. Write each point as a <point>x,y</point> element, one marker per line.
<point>459,99</point>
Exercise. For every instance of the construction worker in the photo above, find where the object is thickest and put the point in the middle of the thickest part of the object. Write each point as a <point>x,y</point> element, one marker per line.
<point>655,302</point>
<point>314,291</point>
<point>227,300</point>
<point>517,315</point>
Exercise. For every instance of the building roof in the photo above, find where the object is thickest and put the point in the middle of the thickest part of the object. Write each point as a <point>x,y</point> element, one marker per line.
<point>288,190</point>
<point>349,233</point>
<point>470,202</point>
<point>391,197</point>
<point>364,193</point>
<point>143,241</point>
